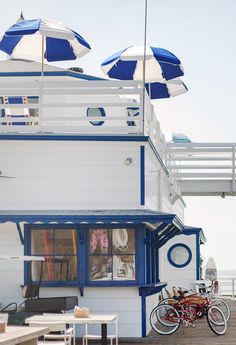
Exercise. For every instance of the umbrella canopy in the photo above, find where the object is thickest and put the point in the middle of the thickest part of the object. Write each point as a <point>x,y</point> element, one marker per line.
<point>40,38</point>
<point>127,64</point>
<point>166,89</point>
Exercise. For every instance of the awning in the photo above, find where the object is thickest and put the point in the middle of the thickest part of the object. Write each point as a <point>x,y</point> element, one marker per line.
<point>162,226</point>
<point>89,217</point>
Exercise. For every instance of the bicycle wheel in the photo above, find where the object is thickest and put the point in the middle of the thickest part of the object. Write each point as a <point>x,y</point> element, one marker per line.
<point>216,320</point>
<point>170,301</point>
<point>164,319</point>
<point>223,306</point>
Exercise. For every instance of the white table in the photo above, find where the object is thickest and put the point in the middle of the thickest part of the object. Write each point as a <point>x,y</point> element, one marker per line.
<point>22,335</point>
<point>101,319</point>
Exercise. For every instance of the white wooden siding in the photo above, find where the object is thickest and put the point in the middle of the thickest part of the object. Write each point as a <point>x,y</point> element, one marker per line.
<point>185,276</point>
<point>157,182</point>
<point>69,175</point>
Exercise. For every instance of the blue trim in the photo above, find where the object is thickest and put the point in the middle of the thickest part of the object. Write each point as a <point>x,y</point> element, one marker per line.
<point>20,233</point>
<point>51,74</point>
<point>142,175</point>
<point>148,259</point>
<point>140,255</point>
<point>27,246</point>
<point>143,315</point>
<point>152,235</point>
<point>157,264</point>
<point>82,253</point>
<point>198,257</point>
<point>57,137</point>
<point>174,263</point>
<point>77,219</point>
<point>151,289</point>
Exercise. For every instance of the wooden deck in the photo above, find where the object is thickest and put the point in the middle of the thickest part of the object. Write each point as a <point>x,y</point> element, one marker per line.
<point>200,335</point>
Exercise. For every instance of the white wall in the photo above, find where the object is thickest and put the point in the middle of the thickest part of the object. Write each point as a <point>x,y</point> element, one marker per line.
<point>151,302</point>
<point>123,301</point>
<point>183,277</point>
<point>11,272</point>
<point>69,175</point>
<point>157,187</point>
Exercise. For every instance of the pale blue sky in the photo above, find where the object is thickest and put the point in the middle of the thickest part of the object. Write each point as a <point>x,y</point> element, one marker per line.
<point>202,34</point>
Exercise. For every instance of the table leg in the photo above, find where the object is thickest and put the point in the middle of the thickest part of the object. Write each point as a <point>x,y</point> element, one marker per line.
<point>104,334</point>
<point>74,333</point>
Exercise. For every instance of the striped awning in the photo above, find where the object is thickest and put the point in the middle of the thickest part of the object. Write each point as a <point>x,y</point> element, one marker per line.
<point>89,217</point>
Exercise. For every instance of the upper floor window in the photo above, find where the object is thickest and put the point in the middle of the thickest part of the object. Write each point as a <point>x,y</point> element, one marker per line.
<point>132,111</point>
<point>19,116</point>
<point>59,248</point>
<point>96,112</point>
<point>112,254</point>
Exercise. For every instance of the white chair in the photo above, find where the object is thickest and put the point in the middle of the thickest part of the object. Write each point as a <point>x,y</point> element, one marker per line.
<point>52,338</point>
<point>110,337</point>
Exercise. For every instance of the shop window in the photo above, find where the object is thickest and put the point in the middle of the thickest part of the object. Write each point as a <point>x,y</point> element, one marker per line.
<point>112,254</point>
<point>179,255</point>
<point>59,248</point>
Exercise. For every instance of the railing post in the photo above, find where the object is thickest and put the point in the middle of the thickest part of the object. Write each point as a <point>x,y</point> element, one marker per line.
<point>233,168</point>
<point>142,110</point>
<point>40,119</point>
<point>233,285</point>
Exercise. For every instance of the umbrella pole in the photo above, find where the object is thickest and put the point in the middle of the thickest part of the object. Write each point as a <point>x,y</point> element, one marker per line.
<point>149,90</point>
<point>41,89</point>
<point>144,61</point>
<point>42,57</point>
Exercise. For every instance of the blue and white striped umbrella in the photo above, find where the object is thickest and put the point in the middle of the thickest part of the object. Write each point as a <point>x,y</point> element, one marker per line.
<point>127,64</point>
<point>40,38</point>
<point>170,88</point>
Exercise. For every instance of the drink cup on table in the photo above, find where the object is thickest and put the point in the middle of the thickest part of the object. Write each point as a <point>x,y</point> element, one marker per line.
<point>3,322</point>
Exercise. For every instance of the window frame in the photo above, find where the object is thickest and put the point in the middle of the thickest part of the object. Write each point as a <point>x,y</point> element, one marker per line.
<point>27,235</point>
<point>182,245</point>
<point>113,282</point>
<point>102,114</point>
<point>83,255</point>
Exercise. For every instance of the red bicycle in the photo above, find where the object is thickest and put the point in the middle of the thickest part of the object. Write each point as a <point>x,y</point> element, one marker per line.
<point>165,319</point>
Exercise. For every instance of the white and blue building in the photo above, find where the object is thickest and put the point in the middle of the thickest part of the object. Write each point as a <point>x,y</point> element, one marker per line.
<point>85,183</point>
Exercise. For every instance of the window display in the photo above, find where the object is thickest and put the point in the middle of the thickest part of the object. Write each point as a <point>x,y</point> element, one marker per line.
<point>112,254</point>
<point>58,246</point>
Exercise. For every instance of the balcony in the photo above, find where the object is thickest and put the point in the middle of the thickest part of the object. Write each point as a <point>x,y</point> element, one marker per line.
<point>77,107</point>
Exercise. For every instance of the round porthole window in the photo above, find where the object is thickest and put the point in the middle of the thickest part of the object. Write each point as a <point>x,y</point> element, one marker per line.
<point>179,255</point>
<point>96,112</point>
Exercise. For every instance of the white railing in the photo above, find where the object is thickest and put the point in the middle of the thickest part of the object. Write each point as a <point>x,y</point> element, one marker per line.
<point>212,161</point>
<point>61,107</point>
<point>153,130</point>
<point>227,286</point>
